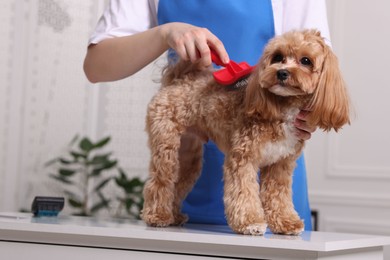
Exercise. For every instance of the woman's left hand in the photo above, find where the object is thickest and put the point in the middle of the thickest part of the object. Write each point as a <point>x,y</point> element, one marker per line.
<point>304,130</point>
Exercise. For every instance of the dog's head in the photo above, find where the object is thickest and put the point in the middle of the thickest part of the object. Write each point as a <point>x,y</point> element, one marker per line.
<point>299,65</point>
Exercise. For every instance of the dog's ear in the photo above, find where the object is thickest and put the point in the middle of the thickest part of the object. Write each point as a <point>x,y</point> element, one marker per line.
<point>330,103</point>
<point>258,101</point>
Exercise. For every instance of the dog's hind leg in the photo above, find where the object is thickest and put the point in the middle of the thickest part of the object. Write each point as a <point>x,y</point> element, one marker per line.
<point>190,157</point>
<point>276,196</point>
<point>243,208</point>
<point>159,190</point>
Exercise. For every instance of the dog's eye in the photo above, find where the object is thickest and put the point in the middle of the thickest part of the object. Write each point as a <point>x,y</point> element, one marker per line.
<point>277,58</point>
<point>306,61</point>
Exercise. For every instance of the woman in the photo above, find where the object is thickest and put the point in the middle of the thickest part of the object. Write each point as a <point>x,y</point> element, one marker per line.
<point>133,33</point>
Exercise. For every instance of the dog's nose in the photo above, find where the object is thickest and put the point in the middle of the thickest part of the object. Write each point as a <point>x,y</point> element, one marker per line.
<point>282,74</point>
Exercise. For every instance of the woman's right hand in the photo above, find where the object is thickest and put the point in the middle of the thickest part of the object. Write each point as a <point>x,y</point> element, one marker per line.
<point>193,43</point>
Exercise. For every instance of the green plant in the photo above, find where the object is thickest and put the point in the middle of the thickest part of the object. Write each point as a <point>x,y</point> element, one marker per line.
<point>78,168</point>
<point>85,170</point>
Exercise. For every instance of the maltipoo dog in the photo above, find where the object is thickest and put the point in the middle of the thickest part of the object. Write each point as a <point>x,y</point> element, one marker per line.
<point>253,127</point>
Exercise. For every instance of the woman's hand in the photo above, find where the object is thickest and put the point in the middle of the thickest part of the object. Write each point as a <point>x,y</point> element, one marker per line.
<point>193,43</point>
<point>304,130</point>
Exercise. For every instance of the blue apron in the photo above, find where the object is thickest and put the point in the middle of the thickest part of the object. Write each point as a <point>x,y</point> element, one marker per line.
<point>244,27</point>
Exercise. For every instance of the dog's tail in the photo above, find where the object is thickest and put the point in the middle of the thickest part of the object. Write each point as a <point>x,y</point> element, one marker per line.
<point>179,70</point>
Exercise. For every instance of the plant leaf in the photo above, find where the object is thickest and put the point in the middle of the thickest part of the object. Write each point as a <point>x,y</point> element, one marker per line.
<point>100,159</point>
<point>77,155</point>
<point>102,142</point>
<point>133,186</point>
<point>129,203</point>
<point>66,172</point>
<point>104,203</point>
<point>106,166</point>
<point>75,203</point>
<point>102,184</point>
<point>120,182</point>
<point>100,205</point>
<point>86,145</point>
<point>136,182</point>
<point>122,173</point>
<point>121,179</point>
<point>65,161</point>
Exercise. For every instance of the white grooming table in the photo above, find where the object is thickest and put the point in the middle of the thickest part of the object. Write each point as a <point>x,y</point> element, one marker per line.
<point>64,237</point>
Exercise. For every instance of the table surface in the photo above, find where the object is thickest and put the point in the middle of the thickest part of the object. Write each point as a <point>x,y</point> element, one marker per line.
<point>109,233</point>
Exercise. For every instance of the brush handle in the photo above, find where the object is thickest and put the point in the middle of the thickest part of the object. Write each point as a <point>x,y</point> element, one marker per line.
<point>215,58</point>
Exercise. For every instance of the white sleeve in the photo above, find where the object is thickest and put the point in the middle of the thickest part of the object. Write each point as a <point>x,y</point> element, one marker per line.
<point>125,17</point>
<point>301,14</point>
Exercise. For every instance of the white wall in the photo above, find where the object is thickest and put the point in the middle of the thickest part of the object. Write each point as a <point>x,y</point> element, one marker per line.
<point>45,100</point>
<point>349,172</point>
<point>44,96</point>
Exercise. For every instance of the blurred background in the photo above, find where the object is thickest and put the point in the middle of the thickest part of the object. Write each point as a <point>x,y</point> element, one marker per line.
<point>45,100</point>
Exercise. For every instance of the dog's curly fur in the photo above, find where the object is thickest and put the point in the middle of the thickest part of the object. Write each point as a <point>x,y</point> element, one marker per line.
<point>253,127</point>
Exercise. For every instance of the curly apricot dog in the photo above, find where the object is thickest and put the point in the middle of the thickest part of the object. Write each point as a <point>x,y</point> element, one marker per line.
<point>252,126</point>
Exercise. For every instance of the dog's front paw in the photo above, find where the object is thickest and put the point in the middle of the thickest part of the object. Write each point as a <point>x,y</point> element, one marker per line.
<point>287,226</point>
<point>256,229</point>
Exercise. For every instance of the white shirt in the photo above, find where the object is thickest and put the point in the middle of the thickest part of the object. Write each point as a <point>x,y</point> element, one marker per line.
<point>127,17</point>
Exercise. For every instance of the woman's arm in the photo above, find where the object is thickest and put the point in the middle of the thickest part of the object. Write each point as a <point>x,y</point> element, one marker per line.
<point>119,57</point>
